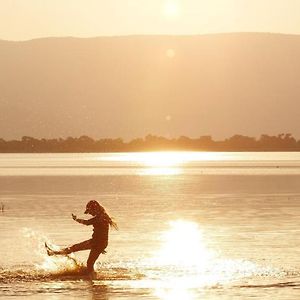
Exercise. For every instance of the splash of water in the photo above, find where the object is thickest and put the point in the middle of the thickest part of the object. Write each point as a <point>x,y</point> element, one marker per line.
<point>199,267</point>
<point>63,267</point>
<point>51,264</point>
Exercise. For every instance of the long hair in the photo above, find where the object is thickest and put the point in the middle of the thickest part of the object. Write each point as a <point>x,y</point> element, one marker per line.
<point>111,222</point>
<point>94,206</point>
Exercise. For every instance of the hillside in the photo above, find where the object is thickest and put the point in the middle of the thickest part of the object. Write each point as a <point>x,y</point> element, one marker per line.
<point>220,85</point>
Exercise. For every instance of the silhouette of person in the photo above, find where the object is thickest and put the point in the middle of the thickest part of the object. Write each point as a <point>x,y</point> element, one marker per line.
<point>101,222</point>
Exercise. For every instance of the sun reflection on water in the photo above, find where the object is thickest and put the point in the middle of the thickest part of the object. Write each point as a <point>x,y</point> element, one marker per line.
<point>183,245</point>
<point>185,263</point>
<point>176,293</point>
<point>162,159</point>
<point>161,163</point>
<point>160,171</point>
<point>164,162</point>
<point>167,158</point>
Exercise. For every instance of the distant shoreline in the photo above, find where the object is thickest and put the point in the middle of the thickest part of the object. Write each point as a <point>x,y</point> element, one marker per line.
<point>86,144</point>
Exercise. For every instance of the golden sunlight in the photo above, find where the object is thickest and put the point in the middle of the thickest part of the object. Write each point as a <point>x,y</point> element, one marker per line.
<point>161,163</point>
<point>183,245</point>
<point>167,158</point>
<point>160,171</point>
<point>176,293</point>
<point>170,53</point>
<point>164,162</point>
<point>171,8</point>
<point>161,159</point>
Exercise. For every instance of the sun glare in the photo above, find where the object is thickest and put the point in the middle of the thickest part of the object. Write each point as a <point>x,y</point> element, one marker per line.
<point>162,159</point>
<point>170,53</point>
<point>176,293</point>
<point>169,158</point>
<point>160,171</point>
<point>161,163</point>
<point>171,8</point>
<point>164,162</point>
<point>183,245</point>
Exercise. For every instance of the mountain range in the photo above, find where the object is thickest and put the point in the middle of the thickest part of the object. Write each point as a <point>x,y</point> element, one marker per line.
<point>131,86</point>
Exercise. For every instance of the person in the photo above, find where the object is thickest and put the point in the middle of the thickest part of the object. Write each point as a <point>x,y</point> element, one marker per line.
<point>101,222</point>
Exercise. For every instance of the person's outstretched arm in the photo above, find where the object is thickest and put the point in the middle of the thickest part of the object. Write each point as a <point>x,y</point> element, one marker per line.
<point>82,221</point>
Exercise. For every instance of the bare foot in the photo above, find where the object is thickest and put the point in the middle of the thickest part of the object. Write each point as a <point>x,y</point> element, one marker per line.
<point>50,252</point>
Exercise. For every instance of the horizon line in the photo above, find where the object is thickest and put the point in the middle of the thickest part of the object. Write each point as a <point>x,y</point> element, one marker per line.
<point>149,35</point>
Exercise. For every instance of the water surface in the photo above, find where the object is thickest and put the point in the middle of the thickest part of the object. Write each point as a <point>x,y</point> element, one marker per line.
<point>192,225</point>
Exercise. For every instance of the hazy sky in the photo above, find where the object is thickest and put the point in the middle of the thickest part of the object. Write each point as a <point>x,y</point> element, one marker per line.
<point>26,19</point>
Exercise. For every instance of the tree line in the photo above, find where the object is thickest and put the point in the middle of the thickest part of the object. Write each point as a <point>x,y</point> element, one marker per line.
<point>27,144</point>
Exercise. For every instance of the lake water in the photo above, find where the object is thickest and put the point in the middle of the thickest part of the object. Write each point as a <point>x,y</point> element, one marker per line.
<point>192,225</point>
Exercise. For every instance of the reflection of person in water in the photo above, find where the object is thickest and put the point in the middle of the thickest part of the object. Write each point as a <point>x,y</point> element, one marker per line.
<point>99,291</point>
<point>97,244</point>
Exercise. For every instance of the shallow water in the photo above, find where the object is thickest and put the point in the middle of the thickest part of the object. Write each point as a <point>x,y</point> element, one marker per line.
<point>192,225</point>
